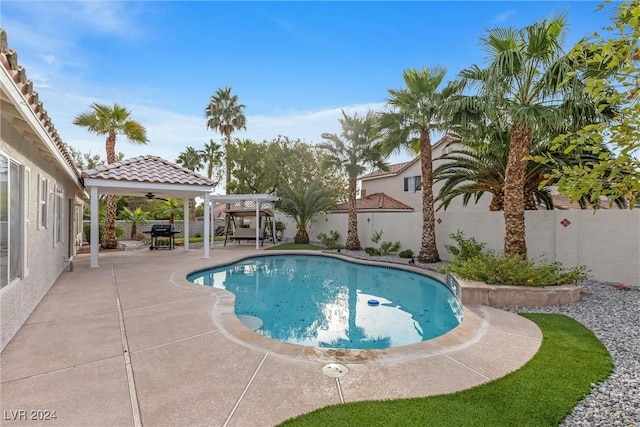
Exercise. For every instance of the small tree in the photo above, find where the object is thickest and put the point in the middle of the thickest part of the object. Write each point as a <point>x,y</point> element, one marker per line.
<point>135,217</point>
<point>303,203</point>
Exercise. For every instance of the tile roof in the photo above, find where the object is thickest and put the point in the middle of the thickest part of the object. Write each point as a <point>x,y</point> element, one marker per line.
<point>564,203</point>
<point>152,169</point>
<point>400,167</point>
<point>393,169</point>
<point>376,201</point>
<point>9,61</point>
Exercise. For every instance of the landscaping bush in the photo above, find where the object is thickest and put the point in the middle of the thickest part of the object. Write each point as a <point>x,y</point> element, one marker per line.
<point>467,248</point>
<point>510,269</point>
<point>330,241</point>
<point>372,251</point>
<point>407,253</point>
<point>385,247</point>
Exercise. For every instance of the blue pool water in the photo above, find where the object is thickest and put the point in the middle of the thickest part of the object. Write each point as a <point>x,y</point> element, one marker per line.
<point>321,301</point>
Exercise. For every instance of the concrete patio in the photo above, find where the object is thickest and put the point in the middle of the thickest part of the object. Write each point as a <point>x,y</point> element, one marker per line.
<point>133,343</point>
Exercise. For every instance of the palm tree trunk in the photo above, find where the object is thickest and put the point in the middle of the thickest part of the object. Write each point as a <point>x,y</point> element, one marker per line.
<point>353,242</point>
<point>109,239</point>
<point>301,237</point>
<point>134,229</point>
<point>192,209</point>
<point>514,237</point>
<point>428,250</point>
<point>530,203</point>
<point>497,202</point>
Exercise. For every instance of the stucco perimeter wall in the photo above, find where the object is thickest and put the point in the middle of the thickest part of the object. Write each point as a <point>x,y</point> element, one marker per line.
<point>607,242</point>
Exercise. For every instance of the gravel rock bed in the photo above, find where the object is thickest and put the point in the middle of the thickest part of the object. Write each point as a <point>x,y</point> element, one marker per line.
<point>614,317</point>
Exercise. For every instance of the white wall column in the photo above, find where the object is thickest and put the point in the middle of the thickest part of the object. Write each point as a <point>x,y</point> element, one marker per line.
<point>185,223</point>
<point>95,216</point>
<point>206,226</point>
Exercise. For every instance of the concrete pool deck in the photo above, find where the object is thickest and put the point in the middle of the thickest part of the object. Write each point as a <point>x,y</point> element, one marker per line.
<point>133,343</point>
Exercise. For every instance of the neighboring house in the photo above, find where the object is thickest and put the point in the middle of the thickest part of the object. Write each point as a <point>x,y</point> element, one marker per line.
<point>402,182</point>
<point>41,198</point>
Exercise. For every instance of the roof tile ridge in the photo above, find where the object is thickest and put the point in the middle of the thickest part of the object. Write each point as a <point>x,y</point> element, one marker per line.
<point>9,60</point>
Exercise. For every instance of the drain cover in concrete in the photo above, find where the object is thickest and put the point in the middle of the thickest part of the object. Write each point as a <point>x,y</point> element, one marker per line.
<point>335,370</point>
<point>252,322</point>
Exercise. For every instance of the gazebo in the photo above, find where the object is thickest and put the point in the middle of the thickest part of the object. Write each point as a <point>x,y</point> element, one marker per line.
<point>151,177</point>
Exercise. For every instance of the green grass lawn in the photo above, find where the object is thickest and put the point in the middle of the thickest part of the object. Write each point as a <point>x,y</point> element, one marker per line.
<point>541,393</point>
<point>294,246</point>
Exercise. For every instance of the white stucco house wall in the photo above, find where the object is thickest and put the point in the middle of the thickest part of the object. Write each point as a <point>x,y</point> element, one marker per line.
<point>41,198</point>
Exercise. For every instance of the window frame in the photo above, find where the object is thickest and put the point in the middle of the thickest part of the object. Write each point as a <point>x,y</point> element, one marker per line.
<point>411,182</point>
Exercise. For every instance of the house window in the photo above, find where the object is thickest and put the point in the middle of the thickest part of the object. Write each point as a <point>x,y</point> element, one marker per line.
<point>43,192</point>
<point>57,209</point>
<point>412,183</point>
<point>11,208</point>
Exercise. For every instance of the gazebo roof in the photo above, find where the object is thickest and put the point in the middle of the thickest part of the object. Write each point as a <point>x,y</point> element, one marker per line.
<point>147,174</point>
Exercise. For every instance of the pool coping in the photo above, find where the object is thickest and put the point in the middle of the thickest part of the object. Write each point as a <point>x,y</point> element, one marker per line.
<point>475,323</point>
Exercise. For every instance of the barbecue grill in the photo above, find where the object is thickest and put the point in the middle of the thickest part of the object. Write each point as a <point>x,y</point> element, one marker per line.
<point>162,230</point>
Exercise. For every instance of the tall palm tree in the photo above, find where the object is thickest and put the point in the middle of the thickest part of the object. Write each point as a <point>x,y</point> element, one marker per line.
<point>303,203</point>
<point>416,111</point>
<point>357,149</point>
<point>530,85</point>
<point>225,116</point>
<point>191,159</point>
<point>111,121</point>
<point>212,156</point>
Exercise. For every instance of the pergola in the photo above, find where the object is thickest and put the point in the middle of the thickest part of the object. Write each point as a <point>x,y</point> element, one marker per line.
<point>247,203</point>
<point>151,177</point>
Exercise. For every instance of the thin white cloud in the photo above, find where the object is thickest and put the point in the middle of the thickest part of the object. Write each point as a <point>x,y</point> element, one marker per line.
<point>501,17</point>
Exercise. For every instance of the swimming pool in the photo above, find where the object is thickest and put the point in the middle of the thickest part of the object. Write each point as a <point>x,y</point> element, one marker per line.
<point>315,300</point>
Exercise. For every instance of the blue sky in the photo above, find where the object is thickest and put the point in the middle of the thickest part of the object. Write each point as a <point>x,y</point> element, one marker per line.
<point>294,65</point>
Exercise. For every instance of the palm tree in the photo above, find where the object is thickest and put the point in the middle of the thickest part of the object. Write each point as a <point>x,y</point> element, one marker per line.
<point>212,155</point>
<point>303,202</point>
<point>191,159</point>
<point>529,84</point>
<point>172,208</point>
<point>358,149</point>
<point>476,168</point>
<point>137,216</point>
<point>416,111</point>
<point>225,115</point>
<point>111,121</point>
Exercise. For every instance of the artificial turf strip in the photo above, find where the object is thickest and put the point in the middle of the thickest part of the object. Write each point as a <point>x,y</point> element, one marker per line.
<point>541,393</point>
<point>295,246</point>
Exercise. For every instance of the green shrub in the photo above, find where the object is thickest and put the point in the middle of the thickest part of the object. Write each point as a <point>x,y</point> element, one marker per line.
<point>385,247</point>
<point>86,228</point>
<point>372,251</point>
<point>510,269</point>
<point>330,241</point>
<point>389,247</point>
<point>407,253</point>
<point>467,248</point>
